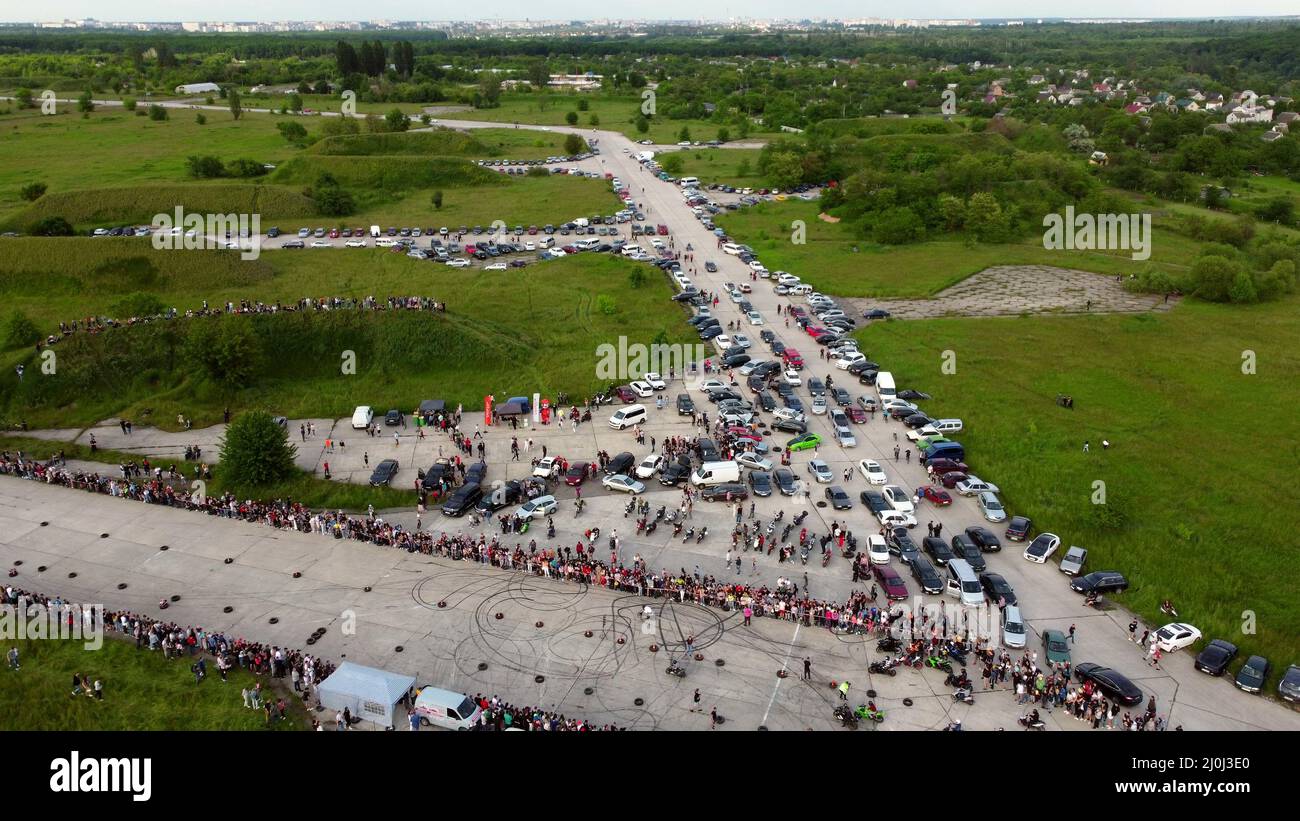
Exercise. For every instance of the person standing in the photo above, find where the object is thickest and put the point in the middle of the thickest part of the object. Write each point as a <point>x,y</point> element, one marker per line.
<point>713,718</point>
<point>695,701</point>
<point>1071,634</point>
<point>807,668</point>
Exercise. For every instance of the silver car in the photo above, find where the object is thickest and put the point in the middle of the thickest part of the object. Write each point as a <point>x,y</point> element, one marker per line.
<point>820,471</point>
<point>541,506</point>
<point>991,507</point>
<point>1072,563</point>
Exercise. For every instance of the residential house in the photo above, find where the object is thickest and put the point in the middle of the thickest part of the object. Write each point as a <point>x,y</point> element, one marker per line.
<point>1134,108</point>
<point>1184,104</point>
<point>1036,80</point>
<point>909,84</point>
<point>1271,136</point>
<point>1288,117</point>
<point>1250,114</point>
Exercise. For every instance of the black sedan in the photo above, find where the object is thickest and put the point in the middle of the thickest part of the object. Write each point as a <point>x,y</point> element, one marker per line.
<point>1113,684</point>
<point>838,498</point>
<point>712,268</point>
<point>393,418</point>
<point>997,588</point>
<point>675,471</point>
<point>875,313</point>
<point>790,426</point>
<point>1216,657</point>
<point>786,481</point>
<point>685,405</point>
<point>875,501</point>
<point>726,492</point>
<point>760,482</point>
<point>621,463</point>
<point>938,550</point>
<point>964,548</point>
<point>1253,674</point>
<point>984,538</point>
<point>383,473</point>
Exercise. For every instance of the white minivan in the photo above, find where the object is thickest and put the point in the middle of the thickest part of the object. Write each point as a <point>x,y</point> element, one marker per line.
<point>627,417</point>
<point>447,709</point>
<point>963,584</point>
<point>715,473</point>
<point>885,387</point>
<point>1013,627</point>
<point>362,416</point>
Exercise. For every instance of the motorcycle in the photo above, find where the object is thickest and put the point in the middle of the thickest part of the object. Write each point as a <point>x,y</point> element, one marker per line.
<point>869,713</point>
<point>803,554</point>
<point>640,526</point>
<point>780,514</point>
<point>1030,723</point>
<point>826,557</point>
<point>937,663</point>
<point>523,526</point>
<point>964,696</point>
<point>675,669</point>
<point>885,667</point>
<point>785,533</point>
<point>650,528</point>
<point>959,680</point>
<point>957,654</point>
<point>631,504</point>
<point>704,531</point>
<point>771,527</point>
<point>690,534</point>
<point>474,520</point>
<point>660,514</point>
<point>888,645</point>
<point>846,716</point>
<point>677,529</point>
<point>798,520</point>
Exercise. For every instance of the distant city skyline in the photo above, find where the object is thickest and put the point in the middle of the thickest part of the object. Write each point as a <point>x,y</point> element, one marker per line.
<point>681,10</point>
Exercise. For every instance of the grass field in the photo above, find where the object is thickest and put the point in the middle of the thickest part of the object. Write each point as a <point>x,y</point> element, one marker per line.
<point>720,165</point>
<point>506,333</point>
<point>142,691</point>
<point>1201,454</point>
<point>835,261</point>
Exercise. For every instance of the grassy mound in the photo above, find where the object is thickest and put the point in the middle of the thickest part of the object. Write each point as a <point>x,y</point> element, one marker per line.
<point>438,142</point>
<point>389,173</point>
<point>139,204</point>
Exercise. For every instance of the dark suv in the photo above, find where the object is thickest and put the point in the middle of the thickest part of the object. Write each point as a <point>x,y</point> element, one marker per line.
<point>462,500</point>
<point>1100,581</point>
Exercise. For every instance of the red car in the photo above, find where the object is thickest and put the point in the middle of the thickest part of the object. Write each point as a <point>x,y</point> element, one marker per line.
<point>663,230</point>
<point>792,359</point>
<point>626,393</point>
<point>951,479</point>
<point>334,233</point>
<point>890,582</point>
<point>798,310</point>
<point>577,473</point>
<point>936,496</point>
<point>815,331</point>
<point>855,413</point>
<point>938,467</point>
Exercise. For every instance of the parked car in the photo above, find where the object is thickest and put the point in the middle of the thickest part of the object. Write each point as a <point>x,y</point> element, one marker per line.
<point>1113,684</point>
<point>786,481</point>
<point>1073,560</point>
<point>1216,657</point>
<point>649,466</point>
<point>1175,636</point>
<point>1289,687</point>
<point>1042,547</point>
<point>984,538</point>
<point>936,496</point>
<point>877,549</point>
<point>728,491</point>
<point>839,500</point>
<point>872,471</point>
<point>623,484</point>
<point>1100,581</point>
<point>997,588</point>
<point>1253,674</point>
<point>577,473</point>
<point>1018,528</point>
<point>383,473</point>
<point>927,578</point>
<point>821,471</point>
<point>938,550</point>
<point>621,463</point>
<point>964,548</point>
<point>991,507</point>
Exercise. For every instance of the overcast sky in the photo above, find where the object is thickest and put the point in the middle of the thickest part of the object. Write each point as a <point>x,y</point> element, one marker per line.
<point>271,10</point>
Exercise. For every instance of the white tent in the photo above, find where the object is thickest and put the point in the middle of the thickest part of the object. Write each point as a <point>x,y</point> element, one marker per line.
<point>198,88</point>
<point>367,692</point>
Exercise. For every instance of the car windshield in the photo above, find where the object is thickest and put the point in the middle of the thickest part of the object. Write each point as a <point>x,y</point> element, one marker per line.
<point>1056,646</point>
<point>1015,627</point>
<point>992,504</point>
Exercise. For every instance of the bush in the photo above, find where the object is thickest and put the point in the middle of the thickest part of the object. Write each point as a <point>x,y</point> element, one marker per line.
<point>52,227</point>
<point>138,304</point>
<point>207,167</point>
<point>128,103</point>
<point>20,331</point>
<point>436,199</point>
<point>225,351</point>
<point>606,305</point>
<point>571,118</point>
<point>256,451</point>
<point>157,113</point>
<point>200,119</point>
<point>573,144</point>
<point>33,191</point>
<point>245,168</point>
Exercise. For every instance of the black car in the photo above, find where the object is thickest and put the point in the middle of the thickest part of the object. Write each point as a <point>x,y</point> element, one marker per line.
<point>685,296</point>
<point>996,587</point>
<point>621,463</point>
<point>863,365</point>
<point>476,473</point>
<point>393,418</point>
<point>911,395</point>
<point>735,360</point>
<point>433,477</point>
<point>293,243</point>
<point>917,420</point>
<point>273,232</point>
<point>790,426</point>
<point>964,548</point>
<point>710,267</point>
<point>868,377</point>
<point>1100,581</point>
<point>718,394</point>
<point>875,501</point>
<point>1113,684</point>
<point>842,397</point>
<point>701,319</point>
<point>710,332</point>
<point>938,549</point>
<point>838,498</point>
<point>901,545</point>
<point>1216,657</point>
<point>728,491</point>
<point>766,335</point>
<point>786,481</point>
<point>1289,687</point>
<point>511,493</point>
<point>816,387</point>
<point>1253,674</point>
<point>777,346</point>
<point>707,448</point>
<point>685,405</point>
<point>756,383</point>
<point>926,576</point>
<point>766,401</point>
<point>760,481</point>
<point>674,472</point>
<point>383,473</point>
<point>767,368</point>
<point>465,497</point>
<point>984,538</point>
<point>1019,528</point>
<point>875,313</point>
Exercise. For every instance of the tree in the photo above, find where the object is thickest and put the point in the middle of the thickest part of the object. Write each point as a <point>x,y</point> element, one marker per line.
<point>642,124</point>
<point>593,120</point>
<point>295,102</point>
<point>571,118</point>
<point>583,105</point>
<point>672,163</point>
<point>157,113</point>
<point>684,135</point>
<point>291,131</point>
<point>538,74</point>
<point>436,199</point>
<point>1212,277</point>
<point>85,103</point>
<point>200,119</point>
<point>397,121</point>
<point>1278,209</point>
<point>573,144</point>
<point>724,135</point>
<point>255,450</point>
<point>225,351</point>
<point>236,106</point>
<point>346,58</point>
<point>204,167</point>
<point>23,97</point>
<point>33,191</point>
<point>51,227</point>
<point>1243,289</point>
<point>897,226</point>
<point>20,331</point>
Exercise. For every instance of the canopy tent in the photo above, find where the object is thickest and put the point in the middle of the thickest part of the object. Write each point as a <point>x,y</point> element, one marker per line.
<point>367,692</point>
<point>432,406</point>
<point>512,409</point>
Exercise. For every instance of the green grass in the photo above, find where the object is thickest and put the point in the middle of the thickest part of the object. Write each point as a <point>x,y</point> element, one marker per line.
<point>506,333</point>
<point>1197,479</point>
<point>140,203</point>
<point>720,165</point>
<point>142,691</point>
<point>836,261</point>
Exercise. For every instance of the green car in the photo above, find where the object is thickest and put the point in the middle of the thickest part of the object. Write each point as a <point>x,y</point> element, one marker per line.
<point>924,443</point>
<point>808,440</point>
<point>1055,648</point>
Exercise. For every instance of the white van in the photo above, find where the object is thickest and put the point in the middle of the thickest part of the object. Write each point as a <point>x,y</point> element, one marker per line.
<point>545,242</point>
<point>885,387</point>
<point>627,417</point>
<point>446,709</point>
<point>715,473</point>
<point>1013,627</point>
<point>689,182</point>
<point>587,244</point>
<point>361,417</point>
<point>963,584</point>
<point>946,426</point>
<point>374,231</point>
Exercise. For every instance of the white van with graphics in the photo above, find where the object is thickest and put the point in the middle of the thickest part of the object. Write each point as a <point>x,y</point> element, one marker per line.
<point>446,709</point>
<point>715,473</point>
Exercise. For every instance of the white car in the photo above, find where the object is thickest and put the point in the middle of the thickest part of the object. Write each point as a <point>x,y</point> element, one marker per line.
<point>819,405</point>
<point>791,377</point>
<point>848,358</point>
<point>755,318</point>
<point>1042,547</point>
<point>530,246</point>
<point>655,381</point>
<point>1175,636</point>
<point>321,243</point>
<point>872,471</point>
<point>362,417</point>
<point>894,518</point>
<point>624,484</point>
<point>877,550</point>
<point>973,485</point>
<point>460,262</point>
<point>712,385</point>
<point>890,404</point>
<point>545,467</point>
<point>898,499</point>
<point>541,506</point>
<point>922,432</point>
<point>745,287</point>
<point>496,266</point>
<point>642,389</point>
<point>821,471</point>
<point>753,461</point>
<point>732,249</point>
<point>649,466</point>
<point>722,341</point>
<point>355,243</point>
<point>789,414</point>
